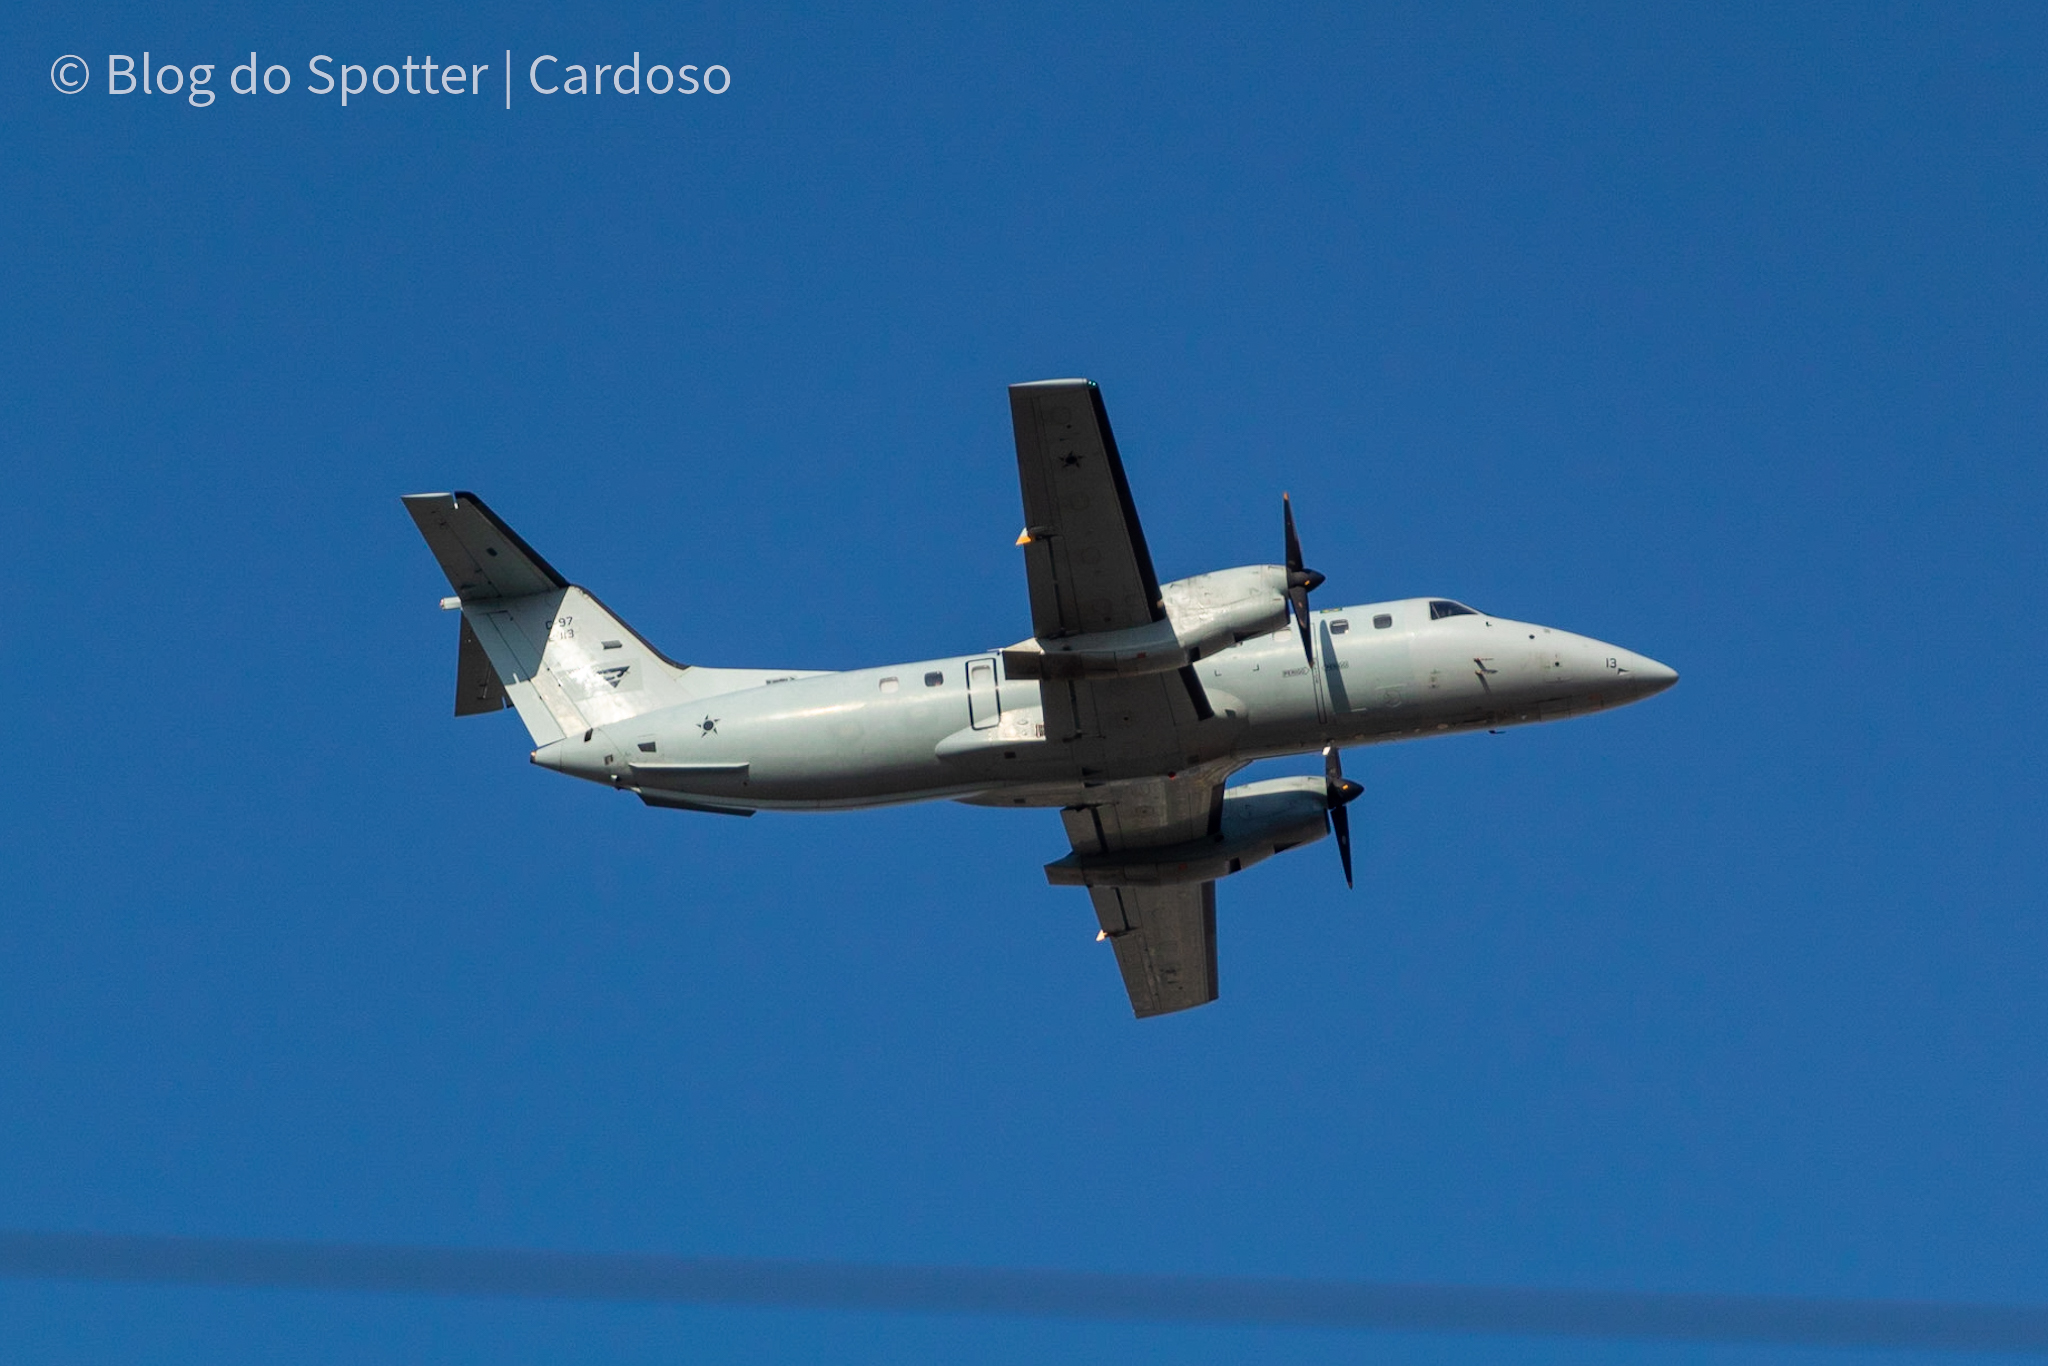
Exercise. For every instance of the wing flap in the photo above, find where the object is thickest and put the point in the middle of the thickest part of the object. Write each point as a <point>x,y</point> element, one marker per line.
<point>1147,814</point>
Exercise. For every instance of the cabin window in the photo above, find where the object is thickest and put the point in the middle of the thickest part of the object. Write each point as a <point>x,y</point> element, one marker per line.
<point>1440,609</point>
<point>1382,621</point>
<point>934,679</point>
<point>888,685</point>
<point>1339,627</point>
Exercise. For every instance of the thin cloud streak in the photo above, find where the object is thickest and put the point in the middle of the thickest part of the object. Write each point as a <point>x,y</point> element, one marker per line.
<point>633,1278</point>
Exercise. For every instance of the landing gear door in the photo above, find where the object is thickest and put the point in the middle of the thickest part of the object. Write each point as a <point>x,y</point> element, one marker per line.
<point>982,712</point>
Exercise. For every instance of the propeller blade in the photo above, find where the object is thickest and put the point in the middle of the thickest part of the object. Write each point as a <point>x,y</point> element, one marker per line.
<point>1297,602</point>
<point>1338,793</point>
<point>1293,541</point>
<point>1340,825</point>
<point>1301,580</point>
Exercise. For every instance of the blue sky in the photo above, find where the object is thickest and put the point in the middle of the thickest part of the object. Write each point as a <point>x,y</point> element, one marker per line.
<point>1718,334</point>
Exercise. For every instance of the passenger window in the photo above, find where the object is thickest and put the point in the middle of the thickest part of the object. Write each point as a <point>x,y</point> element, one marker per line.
<point>1339,627</point>
<point>934,679</point>
<point>1440,609</point>
<point>1382,622</point>
<point>888,685</point>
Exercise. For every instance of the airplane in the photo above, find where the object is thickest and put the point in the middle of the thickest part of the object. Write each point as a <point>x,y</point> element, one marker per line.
<point>1127,709</point>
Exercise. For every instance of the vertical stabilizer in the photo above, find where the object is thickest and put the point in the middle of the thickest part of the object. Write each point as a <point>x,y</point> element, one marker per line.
<point>533,640</point>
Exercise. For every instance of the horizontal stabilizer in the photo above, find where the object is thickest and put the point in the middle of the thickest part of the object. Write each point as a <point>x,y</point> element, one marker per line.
<point>482,557</point>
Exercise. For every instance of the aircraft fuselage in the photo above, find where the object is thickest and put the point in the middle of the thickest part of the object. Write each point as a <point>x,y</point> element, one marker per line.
<point>961,727</point>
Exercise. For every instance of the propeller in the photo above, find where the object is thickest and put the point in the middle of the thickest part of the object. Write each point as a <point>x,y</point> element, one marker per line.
<point>1300,580</point>
<point>1338,793</point>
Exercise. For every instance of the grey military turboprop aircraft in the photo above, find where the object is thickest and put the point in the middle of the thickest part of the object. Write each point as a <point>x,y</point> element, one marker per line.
<point>1127,708</point>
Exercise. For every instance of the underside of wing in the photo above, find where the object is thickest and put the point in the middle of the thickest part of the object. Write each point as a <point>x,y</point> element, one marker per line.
<point>1148,812</point>
<point>1089,572</point>
<point>1113,720</point>
<point>1084,552</point>
<point>1164,935</point>
<point>1165,941</point>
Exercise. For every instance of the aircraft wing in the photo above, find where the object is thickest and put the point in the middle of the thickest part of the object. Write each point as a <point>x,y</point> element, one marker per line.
<point>1164,936</point>
<point>1084,552</point>
<point>1088,570</point>
<point>1165,940</point>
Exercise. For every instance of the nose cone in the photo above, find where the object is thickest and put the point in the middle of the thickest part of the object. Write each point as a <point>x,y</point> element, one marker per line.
<point>1646,677</point>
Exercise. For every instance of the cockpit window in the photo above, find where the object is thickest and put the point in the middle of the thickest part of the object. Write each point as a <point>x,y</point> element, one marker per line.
<point>1440,609</point>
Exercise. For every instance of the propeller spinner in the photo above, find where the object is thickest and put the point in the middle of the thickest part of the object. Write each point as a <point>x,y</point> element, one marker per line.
<point>1338,793</point>
<point>1300,580</point>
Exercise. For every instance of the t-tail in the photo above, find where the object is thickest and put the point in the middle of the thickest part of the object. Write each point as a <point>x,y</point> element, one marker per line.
<point>535,642</point>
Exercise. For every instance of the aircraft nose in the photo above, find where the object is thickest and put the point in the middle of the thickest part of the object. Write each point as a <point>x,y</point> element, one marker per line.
<point>1647,677</point>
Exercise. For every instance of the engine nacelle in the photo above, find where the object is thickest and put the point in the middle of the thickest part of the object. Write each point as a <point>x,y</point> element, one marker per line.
<point>1259,821</point>
<point>1204,614</point>
<point>1212,612</point>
